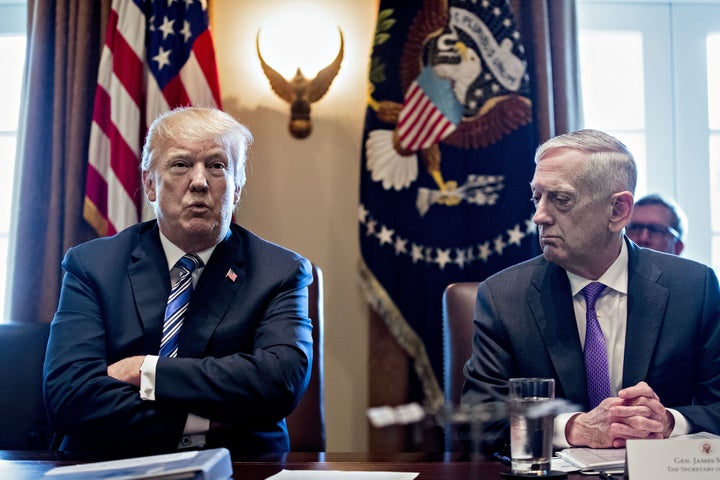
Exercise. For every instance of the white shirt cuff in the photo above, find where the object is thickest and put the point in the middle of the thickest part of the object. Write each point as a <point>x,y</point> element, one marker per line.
<point>195,425</point>
<point>559,440</point>
<point>147,377</point>
<point>682,426</point>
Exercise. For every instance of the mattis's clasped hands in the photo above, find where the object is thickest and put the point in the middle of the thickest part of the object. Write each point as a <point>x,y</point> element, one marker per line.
<point>636,413</point>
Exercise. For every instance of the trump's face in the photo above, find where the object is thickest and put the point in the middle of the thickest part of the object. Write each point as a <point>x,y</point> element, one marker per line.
<point>192,183</point>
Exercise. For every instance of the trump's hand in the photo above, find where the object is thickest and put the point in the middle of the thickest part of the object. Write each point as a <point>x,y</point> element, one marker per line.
<point>127,370</point>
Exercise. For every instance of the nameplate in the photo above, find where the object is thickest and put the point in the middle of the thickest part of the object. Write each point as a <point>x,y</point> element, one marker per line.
<point>695,457</point>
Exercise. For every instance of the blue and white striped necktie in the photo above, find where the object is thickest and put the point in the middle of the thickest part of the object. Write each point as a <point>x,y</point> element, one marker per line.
<point>177,304</point>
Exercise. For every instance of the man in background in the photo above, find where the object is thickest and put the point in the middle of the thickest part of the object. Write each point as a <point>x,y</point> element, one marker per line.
<point>659,223</point>
<point>630,335</point>
<point>187,331</point>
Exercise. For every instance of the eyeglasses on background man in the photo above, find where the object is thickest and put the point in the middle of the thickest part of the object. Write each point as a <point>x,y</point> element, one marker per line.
<point>658,223</point>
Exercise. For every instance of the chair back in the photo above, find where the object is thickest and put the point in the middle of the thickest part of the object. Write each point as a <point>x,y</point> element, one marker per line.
<point>458,309</point>
<point>23,420</point>
<point>306,424</point>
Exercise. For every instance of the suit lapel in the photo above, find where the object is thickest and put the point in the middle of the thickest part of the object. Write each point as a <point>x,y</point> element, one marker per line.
<point>218,286</point>
<point>551,304</point>
<point>646,306</point>
<point>150,283</point>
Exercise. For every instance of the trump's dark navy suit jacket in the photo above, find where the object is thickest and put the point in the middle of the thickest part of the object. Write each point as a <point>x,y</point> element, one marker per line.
<point>525,327</point>
<point>245,348</point>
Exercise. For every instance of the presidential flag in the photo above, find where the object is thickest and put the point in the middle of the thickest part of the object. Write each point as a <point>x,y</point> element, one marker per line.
<point>447,159</point>
<point>158,55</point>
<point>430,113</point>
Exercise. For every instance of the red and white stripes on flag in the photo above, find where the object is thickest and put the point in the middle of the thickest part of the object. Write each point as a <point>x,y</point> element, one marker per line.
<point>430,112</point>
<point>135,84</point>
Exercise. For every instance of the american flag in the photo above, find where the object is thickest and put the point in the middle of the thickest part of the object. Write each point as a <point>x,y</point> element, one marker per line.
<point>231,275</point>
<point>430,112</point>
<point>158,55</point>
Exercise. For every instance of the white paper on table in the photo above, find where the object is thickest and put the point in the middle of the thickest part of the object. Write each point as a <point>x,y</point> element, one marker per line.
<point>341,475</point>
<point>561,465</point>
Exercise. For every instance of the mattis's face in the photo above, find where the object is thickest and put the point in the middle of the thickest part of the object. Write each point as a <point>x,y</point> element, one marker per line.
<point>573,228</point>
<point>193,184</point>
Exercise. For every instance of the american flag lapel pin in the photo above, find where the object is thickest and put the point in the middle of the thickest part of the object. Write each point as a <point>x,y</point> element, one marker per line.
<point>231,275</point>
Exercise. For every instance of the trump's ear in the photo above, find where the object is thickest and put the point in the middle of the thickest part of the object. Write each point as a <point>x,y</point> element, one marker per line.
<point>149,184</point>
<point>236,195</point>
<point>622,207</point>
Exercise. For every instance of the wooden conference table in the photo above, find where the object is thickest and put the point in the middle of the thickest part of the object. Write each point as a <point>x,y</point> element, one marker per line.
<point>28,465</point>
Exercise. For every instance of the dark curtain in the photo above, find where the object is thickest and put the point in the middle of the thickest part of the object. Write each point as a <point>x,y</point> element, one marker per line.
<point>548,29</point>
<point>63,51</point>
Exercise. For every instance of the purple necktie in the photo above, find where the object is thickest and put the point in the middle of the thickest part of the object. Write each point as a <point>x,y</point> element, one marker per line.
<point>177,304</point>
<point>596,358</point>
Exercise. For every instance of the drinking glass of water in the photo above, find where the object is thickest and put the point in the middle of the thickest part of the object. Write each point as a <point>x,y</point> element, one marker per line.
<point>531,428</point>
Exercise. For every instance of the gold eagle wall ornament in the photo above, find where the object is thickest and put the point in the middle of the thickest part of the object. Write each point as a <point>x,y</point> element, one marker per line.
<point>301,92</point>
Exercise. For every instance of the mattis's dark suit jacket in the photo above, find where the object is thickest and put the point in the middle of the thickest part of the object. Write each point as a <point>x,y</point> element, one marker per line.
<point>525,327</point>
<point>245,348</point>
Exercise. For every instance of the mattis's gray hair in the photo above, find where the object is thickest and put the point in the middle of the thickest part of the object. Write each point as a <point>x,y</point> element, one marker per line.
<point>611,167</point>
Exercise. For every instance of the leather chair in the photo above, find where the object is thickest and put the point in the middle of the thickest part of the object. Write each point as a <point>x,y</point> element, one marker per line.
<point>23,421</point>
<point>458,310</point>
<point>306,424</point>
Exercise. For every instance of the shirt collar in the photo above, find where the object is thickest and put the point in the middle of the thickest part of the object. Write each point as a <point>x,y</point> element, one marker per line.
<point>173,253</point>
<point>615,277</point>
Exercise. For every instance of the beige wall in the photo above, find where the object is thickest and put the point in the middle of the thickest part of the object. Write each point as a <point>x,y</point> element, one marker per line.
<point>303,194</point>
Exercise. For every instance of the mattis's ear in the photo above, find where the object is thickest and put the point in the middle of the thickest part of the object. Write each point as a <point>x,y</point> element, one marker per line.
<point>149,184</point>
<point>622,208</point>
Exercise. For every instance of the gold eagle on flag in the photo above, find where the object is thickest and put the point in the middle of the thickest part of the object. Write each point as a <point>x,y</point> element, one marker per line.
<point>437,38</point>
